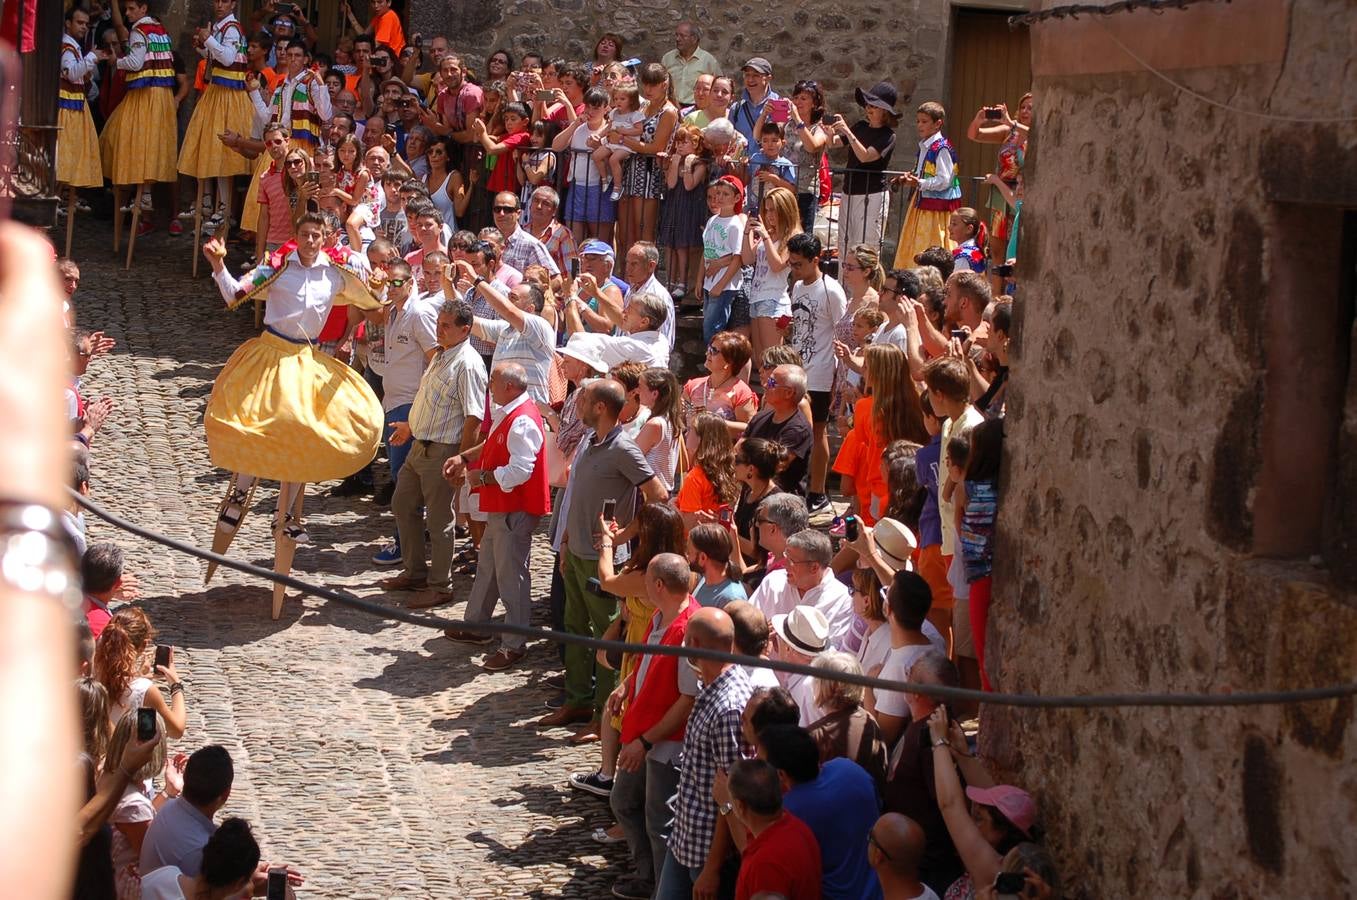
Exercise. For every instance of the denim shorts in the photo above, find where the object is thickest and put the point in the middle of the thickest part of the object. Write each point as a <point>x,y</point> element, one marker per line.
<point>770,309</point>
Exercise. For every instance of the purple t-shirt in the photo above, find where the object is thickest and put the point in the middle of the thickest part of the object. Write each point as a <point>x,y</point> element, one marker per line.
<point>926,464</point>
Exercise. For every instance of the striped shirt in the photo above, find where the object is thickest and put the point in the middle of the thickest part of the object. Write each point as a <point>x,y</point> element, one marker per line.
<point>711,741</point>
<point>522,250</point>
<point>452,388</point>
<point>534,348</point>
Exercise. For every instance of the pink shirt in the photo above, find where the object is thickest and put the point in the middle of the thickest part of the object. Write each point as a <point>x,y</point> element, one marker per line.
<point>274,198</point>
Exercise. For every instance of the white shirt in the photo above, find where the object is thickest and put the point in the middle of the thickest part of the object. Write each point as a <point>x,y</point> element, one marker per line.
<point>649,347</point>
<point>162,884</point>
<point>407,338</point>
<point>652,286</point>
<point>969,419</point>
<point>759,677</point>
<point>533,348</point>
<point>74,66</point>
<point>942,167</point>
<point>135,58</point>
<point>316,93</point>
<point>875,648</point>
<point>525,438</point>
<point>299,300</point>
<point>816,308</point>
<point>775,595</point>
<point>221,45</point>
<point>898,664</point>
<point>895,335</point>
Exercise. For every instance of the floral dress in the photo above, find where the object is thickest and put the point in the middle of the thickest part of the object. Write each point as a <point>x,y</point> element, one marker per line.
<point>1011,154</point>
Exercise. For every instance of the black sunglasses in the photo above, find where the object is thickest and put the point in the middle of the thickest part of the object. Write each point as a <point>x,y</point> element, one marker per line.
<point>505,209</point>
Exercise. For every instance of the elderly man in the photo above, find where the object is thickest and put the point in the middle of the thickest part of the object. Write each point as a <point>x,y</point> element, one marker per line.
<point>642,260</point>
<point>607,467</point>
<point>642,339</point>
<point>521,249</point>
<point>654,703</point>
<point>543,225</point>
<point>445,418</point>
<point>687,61</point>
<point>699,844</point>
<point>508,472</point>
<point>599,288</point>
<point>807,581</point>
<point>895,846</point>
<point>780,515</point>
<point>519,333</point>
<point>781,420</point>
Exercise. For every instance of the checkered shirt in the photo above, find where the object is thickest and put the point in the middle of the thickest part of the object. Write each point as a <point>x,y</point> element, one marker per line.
<point>712,741</point>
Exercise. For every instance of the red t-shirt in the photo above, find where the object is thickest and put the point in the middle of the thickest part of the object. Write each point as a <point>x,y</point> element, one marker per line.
<point>274,197</point>
<point>784,859</point>
<point>97,615</point>
<point>505,175</point>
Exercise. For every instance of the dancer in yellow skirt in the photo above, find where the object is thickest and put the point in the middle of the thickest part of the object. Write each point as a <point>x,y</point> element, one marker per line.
<point>225,106</point>
<point>139,142</point>
<point>77,144</point>
<point>281,409</point>
<point>937,185</point>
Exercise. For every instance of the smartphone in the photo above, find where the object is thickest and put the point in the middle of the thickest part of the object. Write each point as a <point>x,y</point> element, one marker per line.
<point>779,111</point>
<point>850,528</point>
<point>960,334</point>
<point>312,177</point>
<point>833,119</point>
<point>609,510</point>
<point>145,723</point>
<point>723,513</point>
<point>574,267</point>
<point>277,884</point>
<point>544,96</point>
<point>1004,271</point>
<point>419,40</point>
<point>391,128</point>
<point>595,587</point>
<point>163,652</point>
<point>1010,883</point>
<point>993,114</point>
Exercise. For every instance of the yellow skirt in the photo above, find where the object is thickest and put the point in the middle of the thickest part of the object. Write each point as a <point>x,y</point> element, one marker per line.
<point>78,150</point>
<point>249,216</point>
<point>139,142</point>
<point>203,154</point>
<point>923,228</point>
<point>286,412</point>
<point>639,613</point>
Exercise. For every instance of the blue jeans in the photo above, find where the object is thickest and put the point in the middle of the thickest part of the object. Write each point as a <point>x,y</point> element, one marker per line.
<point>677,880</point>
<point>396,455</point>
<point>716,312</point>
<point>807,203</point>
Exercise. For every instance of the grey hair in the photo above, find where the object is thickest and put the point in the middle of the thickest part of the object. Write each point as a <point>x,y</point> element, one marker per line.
<point>539,299</point>
<point>653,308</point>
<point>720,130</point>
<point>550,193</point>
<point>793,377</point>
<point>423,131</point>
<point>934,668</point>
<point>671,570</point>
<point>787,511</point>
<point>693,28</point>
<point>459,310</point>
<point>513,375</point>
<point>652,253</point>
<point>832,694</point>
<point>814,543</point>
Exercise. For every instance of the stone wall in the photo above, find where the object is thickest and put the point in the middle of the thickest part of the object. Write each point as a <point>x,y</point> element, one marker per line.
<point>841,46</point>
<point>1172,283</point>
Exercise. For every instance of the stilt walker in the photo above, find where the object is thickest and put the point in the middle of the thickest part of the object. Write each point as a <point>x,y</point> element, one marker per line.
<point>77,143</point>
<point>140,139</point>
<point>281,409</point>
<point>936,180</point>
<point>224,107</point>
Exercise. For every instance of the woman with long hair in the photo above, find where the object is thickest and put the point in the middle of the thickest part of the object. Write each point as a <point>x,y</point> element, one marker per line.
<point>138,804</point>
<point>710,483</point>
<point>659,437</point>
<point>757,462</point>
<point>608,49</point>
<point>765,248</point>
<point>862,278</point>
<point>447,189</point>
<point>892,411</point>
<point>95,728</point>
<point>638,215</point>
<point>120,665</point>
<point>353,181</point>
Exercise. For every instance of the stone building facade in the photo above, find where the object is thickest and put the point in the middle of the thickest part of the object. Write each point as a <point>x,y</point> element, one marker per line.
<point>1181,465</point>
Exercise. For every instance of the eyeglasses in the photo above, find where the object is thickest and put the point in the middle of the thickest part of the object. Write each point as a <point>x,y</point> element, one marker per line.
<point>296,162</point>
<point>505,209</point>
<point>396,282</point>
<point>871,839</point>
<point>771,384</point>
<point>885,290</point>
<point>763,522</point>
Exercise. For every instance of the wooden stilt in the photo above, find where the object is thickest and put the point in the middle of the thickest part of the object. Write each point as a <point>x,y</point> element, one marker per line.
<point>70,217</point>
<point>117,216</point>
<point>197,224</point>
<point>223,536</point>
<point>136,221</point>
<point>285,547</point>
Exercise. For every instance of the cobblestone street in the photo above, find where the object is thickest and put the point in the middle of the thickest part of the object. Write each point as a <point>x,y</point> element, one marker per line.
<point>373,756</point>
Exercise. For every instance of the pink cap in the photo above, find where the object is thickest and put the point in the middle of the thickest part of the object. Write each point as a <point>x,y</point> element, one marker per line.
<point>1016,804</point>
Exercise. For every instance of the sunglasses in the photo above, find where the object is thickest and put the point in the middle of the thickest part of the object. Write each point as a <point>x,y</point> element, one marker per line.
<point>505,209</point>
<point>771,384</point>
<point>396,282</point>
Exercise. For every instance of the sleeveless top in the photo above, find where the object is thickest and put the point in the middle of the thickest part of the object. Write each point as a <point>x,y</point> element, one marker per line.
<point>949,198</point>
<point>976,533</point>
<point>663,457</point>
<point>157,69</point>
<point>443,203</point>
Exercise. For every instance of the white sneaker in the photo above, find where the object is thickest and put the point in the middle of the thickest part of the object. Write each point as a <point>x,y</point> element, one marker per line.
<point>145,204</point>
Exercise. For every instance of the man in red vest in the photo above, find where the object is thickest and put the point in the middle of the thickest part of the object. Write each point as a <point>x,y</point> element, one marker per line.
<point>661,690</point>
<point>509,474</point>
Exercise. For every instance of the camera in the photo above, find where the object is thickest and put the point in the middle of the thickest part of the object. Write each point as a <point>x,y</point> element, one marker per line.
<point>574,267</point>
<point>993,114</point>
<point>277,884</point>
<point>1011,883</point>
<point>959,334</point>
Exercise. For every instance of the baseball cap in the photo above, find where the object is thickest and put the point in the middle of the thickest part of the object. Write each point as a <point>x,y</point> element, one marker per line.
<point>760,65</point>
<point>734,182</point>
<point>595,247</point>
<point>1016,804</point>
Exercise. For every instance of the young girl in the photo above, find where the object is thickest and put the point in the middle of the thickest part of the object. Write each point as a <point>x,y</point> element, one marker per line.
<point>684,208</point>
<point>868,605</point>
<point>765,248</point>
<point>968,232</point>
<point>623,121</point>
<point>977,502</point>
<point>710,484</point>
<point>353,182</point>
<point>865,320</point>
<point>890,413</point>
<point>537,166</point>
<point>937,185</point>
<point>659,437</point>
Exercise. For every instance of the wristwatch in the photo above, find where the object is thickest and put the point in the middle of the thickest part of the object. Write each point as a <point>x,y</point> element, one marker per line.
<point>645,743</point>
<point>480,280</point>
<point>725,808</point>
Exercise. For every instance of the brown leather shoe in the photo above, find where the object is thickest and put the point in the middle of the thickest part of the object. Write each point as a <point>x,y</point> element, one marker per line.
<point>502,659</point>
<point>566,715</point>
<point>428,599</point>
<point>468,637</point>
<point>403,582</point>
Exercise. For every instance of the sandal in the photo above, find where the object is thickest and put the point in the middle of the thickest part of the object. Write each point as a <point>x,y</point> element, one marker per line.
<point>295,530</point>
<point>234,509</point>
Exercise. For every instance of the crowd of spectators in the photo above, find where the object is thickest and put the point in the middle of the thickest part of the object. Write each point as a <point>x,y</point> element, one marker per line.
<point>535,229</point>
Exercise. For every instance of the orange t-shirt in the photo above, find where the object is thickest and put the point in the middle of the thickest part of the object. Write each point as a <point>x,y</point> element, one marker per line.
<point>697,493</point>
<point>386,28</point>
<point>860,458</point>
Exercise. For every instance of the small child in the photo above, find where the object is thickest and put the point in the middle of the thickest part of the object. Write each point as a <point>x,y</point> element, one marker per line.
<point>976,508</point>
<point>768,168</point>
<point>971,238</point>
<point>537,166</point>
<point>624,121</point>
<point>721,241</point>
<point>684,209</point>
<point>505,149</point>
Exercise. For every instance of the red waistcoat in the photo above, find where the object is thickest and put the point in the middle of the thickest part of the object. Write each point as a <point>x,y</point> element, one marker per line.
<point>532,496</point>
<point>660,690</point>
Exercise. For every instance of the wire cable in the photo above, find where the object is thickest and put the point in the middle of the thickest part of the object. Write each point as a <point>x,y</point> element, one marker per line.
<point>941,692</point>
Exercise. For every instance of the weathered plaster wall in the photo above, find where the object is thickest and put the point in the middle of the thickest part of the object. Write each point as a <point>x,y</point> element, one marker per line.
<point>1135,452</point>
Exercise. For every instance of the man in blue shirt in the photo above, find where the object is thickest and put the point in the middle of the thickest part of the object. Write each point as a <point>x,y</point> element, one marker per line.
<point>758,78</point>
<point>837,800</point>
